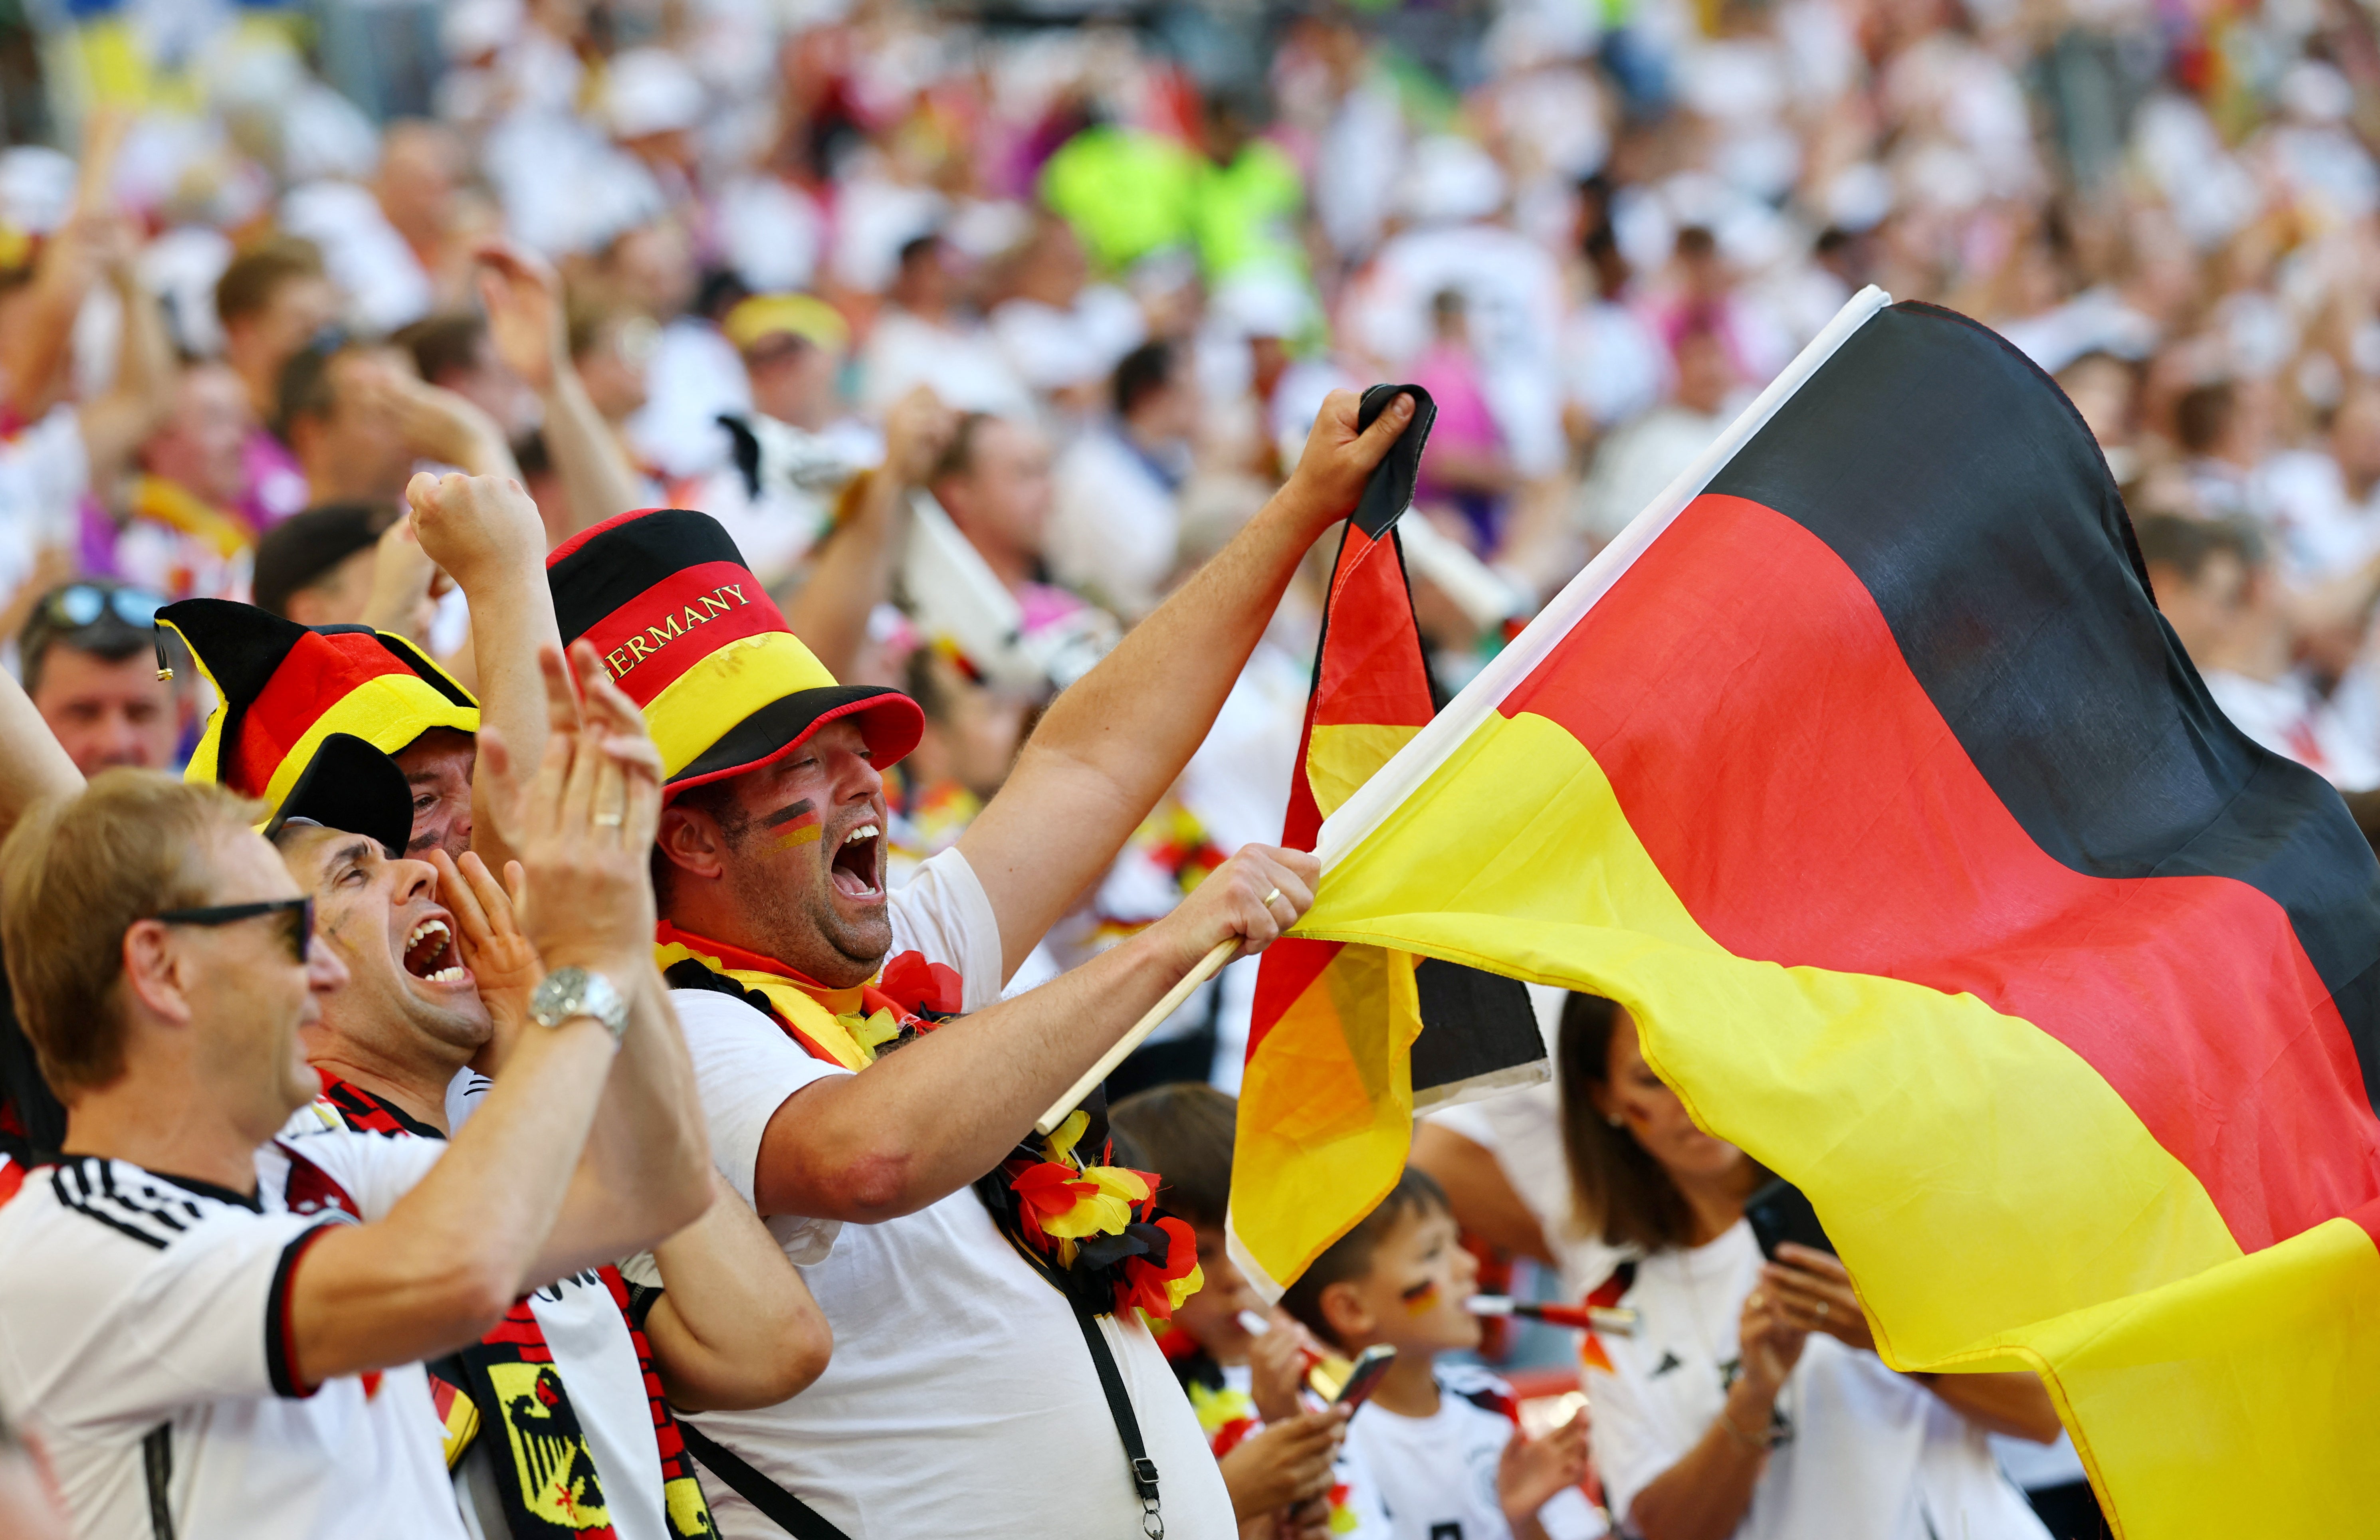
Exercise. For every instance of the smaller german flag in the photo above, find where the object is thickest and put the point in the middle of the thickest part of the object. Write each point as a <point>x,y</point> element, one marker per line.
<point>1346,1042</point>
<point>795,825</point>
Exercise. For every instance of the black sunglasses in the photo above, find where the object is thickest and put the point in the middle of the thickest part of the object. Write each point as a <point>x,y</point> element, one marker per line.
<point>80,604</point>
<point>301,910</point>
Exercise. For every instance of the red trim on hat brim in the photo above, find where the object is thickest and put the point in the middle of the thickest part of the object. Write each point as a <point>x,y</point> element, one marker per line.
<point>912,727</point>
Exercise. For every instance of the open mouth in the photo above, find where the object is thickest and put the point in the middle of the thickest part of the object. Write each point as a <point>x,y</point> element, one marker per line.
<point>430,954</point>
<point>858,862</point>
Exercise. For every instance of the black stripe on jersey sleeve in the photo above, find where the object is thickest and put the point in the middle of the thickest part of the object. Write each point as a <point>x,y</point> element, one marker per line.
<point>280,1341</point>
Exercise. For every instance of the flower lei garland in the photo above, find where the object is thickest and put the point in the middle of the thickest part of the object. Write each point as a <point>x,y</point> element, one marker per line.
<point>1101,1218</point>
<point>1092,1228</point>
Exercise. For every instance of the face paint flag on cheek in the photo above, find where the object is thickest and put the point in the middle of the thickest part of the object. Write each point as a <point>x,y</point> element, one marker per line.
<point>1422,1297</point>
<point>796,825</point>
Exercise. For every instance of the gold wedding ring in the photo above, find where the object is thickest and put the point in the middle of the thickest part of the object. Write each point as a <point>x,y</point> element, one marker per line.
<point>1267,899</point>
<point>611,821</point>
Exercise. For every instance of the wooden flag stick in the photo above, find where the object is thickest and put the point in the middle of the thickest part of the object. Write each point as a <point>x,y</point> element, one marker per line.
<point>1206,970</point>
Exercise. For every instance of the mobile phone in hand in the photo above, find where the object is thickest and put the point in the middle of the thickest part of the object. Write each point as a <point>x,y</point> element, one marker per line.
<point>1781,1212</point>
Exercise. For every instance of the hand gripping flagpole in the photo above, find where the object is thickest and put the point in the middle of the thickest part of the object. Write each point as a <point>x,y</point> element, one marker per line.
<point>1222,952</point>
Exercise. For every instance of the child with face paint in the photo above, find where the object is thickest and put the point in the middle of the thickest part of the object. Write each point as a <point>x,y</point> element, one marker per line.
<point>1443,1442</point>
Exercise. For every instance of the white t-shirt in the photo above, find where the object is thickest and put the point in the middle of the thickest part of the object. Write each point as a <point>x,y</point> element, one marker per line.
<point>961,1400</point>
<point>1437,1475</point>
<point>597,1359</point>
<point>1867,1454</point>
<point>144,1334</point>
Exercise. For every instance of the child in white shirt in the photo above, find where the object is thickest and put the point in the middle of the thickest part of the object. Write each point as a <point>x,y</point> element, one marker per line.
<point>1443,1444</point>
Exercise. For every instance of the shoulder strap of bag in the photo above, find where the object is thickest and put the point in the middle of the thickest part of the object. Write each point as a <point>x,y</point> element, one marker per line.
<point>157,1470</point>
<point>1127,1425</point>
<point>778,1506</point>
<point>1135,1453</point>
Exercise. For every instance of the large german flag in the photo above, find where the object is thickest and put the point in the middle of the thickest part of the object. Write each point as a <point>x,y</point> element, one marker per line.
<point>1347,1041</point>
<point>1863,772</point>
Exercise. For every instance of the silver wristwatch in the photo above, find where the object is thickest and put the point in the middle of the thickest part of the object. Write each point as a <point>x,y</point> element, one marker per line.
<point>567,993</point>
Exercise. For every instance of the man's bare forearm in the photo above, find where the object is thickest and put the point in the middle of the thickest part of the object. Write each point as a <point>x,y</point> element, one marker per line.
<point>736,1327</point>
<point>597,479</point>
<point>925,1120</point>
<point>1110,747</point>
<point>32,764</point>
<point>853,573</point>
<point>479,1229</point>
<point>510,621</point>
<point>114,425</point>
<point>644,1171</point>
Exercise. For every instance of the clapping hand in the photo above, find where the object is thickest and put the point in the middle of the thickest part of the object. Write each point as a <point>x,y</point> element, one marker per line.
<point>584,822</point>
<point>1533,1470</point>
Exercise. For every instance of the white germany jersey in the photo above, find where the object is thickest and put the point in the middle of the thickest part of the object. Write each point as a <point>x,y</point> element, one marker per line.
<point>144,1334</point>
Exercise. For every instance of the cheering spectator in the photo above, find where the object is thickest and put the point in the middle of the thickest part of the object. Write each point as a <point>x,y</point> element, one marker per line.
<point>273,302</point>
<point>1635,462</point>
<point>925,337</point>
<point>358,419</point>
<point>720,1317</point>
<point>180,525</point>
<point>1275,1452</point>
<point>2215,583</point>
<point>1431,1434</point>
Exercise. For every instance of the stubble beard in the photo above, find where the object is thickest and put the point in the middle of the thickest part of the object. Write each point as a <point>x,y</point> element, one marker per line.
<point>803,931</point>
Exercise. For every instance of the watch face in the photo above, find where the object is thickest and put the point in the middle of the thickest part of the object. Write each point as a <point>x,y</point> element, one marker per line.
<point>566,993</point>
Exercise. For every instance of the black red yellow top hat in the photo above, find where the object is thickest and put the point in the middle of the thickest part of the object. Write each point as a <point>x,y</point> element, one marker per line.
<point>285,689</point>
<point>691,635</point>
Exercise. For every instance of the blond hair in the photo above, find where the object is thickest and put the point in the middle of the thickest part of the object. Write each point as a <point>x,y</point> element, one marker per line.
<point>74,874</point>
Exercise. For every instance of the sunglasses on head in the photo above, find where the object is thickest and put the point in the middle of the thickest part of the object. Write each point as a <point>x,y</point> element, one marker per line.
<point>81,604</point>
<point>299,910</point>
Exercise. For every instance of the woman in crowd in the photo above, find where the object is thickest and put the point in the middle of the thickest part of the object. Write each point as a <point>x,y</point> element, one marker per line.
<point>1750,1402</point>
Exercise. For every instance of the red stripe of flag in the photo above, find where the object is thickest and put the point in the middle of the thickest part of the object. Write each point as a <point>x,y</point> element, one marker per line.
<point>1808,804</point>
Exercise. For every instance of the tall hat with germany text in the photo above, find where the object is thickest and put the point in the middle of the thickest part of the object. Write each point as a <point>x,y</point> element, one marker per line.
<point>693,639</point>
<point>286,690</point>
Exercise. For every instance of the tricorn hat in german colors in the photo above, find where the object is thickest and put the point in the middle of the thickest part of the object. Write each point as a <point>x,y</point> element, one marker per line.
<point>285,689</point>
<point>694,639</point>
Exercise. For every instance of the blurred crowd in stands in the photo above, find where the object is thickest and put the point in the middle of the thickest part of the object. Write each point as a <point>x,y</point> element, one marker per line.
<point>1129,251</point>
